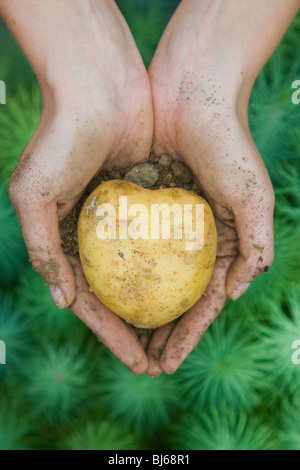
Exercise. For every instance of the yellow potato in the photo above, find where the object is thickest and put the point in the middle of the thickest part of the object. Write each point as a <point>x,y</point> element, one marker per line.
<point>144,278</point>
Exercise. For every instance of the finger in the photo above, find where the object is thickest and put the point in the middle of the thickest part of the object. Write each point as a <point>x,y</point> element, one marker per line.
<point>144,339</point>
<point>119,337</point>
<point>39,223</point>
<point>254,226</point>
<point>144,336</point>
<point>195,322</point>
<point>156,346</point>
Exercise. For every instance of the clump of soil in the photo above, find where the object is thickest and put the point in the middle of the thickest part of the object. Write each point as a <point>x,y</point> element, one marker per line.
<point>157,173</point>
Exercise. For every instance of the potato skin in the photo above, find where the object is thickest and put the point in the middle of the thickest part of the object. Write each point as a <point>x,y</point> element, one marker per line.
<point>148,283</point>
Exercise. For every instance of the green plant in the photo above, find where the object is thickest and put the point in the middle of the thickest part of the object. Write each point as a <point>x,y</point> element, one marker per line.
<point>15,69</point>
<point>222,429</point>
<point>57,378</point>
<point>19,119</point>
<point>14,426</point>
<point>146,21</point>
<point>289,425</point>
<point>99,435</point>
<point>12,247</point>
<point>278,335</point>
<point>238,390</point>
<point>16,335</point>
<point>141,403</point>
<point>44,316</point>
<point>225,366</point>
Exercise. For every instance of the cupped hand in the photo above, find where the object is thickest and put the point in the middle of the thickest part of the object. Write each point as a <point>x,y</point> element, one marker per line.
<point>200,117</point>
<point>97,112</point>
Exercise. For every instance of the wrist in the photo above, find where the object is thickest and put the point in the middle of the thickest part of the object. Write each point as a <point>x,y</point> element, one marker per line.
<point>229,40</point>
<point>72,45</point>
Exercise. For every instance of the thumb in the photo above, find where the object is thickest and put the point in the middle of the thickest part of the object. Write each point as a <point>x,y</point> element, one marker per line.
<point>39,223</point>
<point>256,246</point>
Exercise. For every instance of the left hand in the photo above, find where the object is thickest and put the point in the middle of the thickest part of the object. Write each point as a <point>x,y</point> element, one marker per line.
<point>200,117</point>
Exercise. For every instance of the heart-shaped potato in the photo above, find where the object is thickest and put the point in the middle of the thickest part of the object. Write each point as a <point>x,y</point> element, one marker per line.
<point>148,255</point>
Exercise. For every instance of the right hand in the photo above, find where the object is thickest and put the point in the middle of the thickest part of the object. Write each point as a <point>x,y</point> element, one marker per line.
<point>96,113</point>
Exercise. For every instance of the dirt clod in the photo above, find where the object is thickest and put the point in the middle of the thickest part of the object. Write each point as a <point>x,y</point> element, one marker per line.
<point>144,175</point>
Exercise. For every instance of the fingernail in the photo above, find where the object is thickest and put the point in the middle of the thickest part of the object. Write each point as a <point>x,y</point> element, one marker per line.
<point>57,296</point>
<point>239,291</point>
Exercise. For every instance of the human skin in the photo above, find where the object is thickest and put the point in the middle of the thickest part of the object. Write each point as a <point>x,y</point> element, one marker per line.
<point>97,112</point>
<point>201,78</point>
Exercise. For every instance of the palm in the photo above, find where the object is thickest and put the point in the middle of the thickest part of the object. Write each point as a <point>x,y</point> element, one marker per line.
<point>198,121</point>
<point>100,127</point>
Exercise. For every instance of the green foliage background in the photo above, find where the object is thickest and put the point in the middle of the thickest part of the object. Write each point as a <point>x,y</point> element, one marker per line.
<point>239,389</point>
